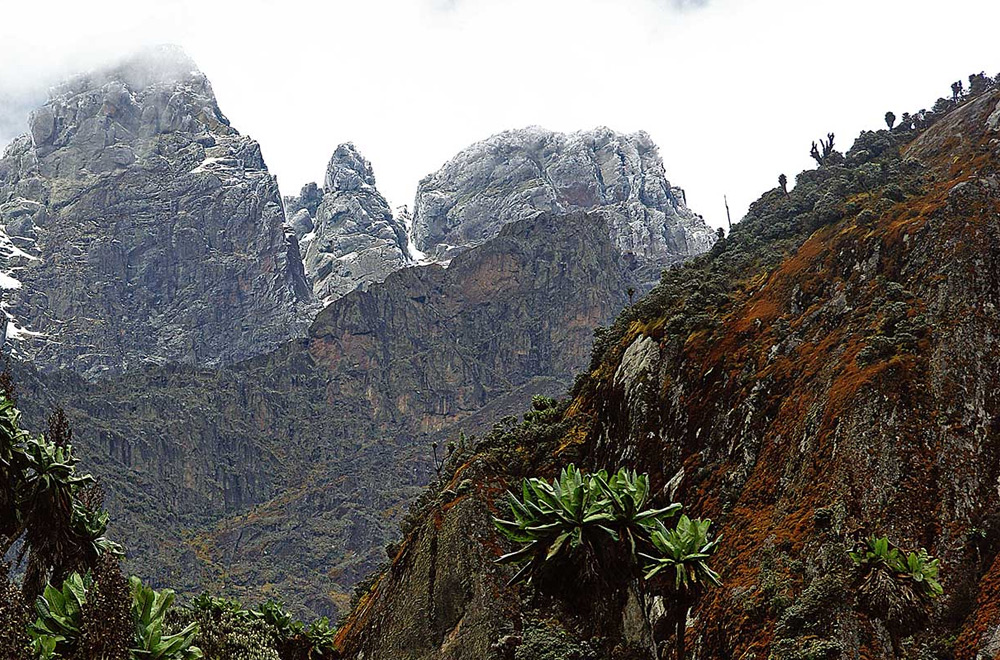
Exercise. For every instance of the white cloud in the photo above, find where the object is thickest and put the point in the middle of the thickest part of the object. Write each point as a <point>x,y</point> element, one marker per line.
<point>734,92</point>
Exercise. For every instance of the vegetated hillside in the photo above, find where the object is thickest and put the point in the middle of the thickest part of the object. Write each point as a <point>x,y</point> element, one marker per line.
<point>287,474</point>
<point>827,372</point>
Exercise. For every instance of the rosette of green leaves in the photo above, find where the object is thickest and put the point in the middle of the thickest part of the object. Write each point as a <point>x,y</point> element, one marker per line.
<point>684,550</point>
<point>151,642</point>
<point>320,636</point>
<point>917,568</point>
<point>13,463</point>
<point>627,494</point>
<point>281,622</point>
<point>551,520</point>
<point>57,631</point>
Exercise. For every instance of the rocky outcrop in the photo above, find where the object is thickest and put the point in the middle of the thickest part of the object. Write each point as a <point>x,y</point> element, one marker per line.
<point>301,210</point>
<point>148,229</point>
<point>350,239</point>
<point>828,372</point>
<point>517,173</point>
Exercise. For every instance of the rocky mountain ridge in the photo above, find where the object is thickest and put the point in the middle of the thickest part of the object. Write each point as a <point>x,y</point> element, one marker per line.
<point>516,173</point>
<point>140,227</point>
<point>159,292</point>
<point>510,176</point>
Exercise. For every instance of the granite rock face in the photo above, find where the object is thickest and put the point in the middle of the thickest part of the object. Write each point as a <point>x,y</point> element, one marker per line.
<point>350,239</point>
<point>517,173</point>
<point>304,205</point>
<point>147,228</point>
<point>156,283</point>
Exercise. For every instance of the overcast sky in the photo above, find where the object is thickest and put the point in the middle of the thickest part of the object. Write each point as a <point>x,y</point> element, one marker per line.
<point>733,91</point>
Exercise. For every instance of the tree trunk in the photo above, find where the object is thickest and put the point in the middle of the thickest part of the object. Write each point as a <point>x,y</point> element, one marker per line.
<point>9,543</point>
<point>896,645</point>
<point>641,597</point>
<point>681,628</point>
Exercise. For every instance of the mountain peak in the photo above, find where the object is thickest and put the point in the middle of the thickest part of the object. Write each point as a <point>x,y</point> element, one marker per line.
<point>517,173</point>
<point>348,170</point>
<point>349,237</point>
<point>134,168</point>
<point>144,68</point>
<point>156,90</point>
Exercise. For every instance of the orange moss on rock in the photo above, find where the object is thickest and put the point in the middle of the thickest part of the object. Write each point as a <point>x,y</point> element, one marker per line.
<point>985,620</point>
<point>766,409</point>
<point>804,393</point>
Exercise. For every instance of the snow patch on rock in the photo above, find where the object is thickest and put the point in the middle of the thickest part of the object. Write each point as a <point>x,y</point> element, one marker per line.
<point>7,282</point>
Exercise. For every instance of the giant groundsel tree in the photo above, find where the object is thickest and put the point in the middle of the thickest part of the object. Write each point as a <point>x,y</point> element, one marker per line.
<point>568,521</point>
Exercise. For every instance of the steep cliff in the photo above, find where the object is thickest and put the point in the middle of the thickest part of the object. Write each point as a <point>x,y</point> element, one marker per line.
<point>827,371</point>
<point>148,230</point>
<point>516,173</point>
<point>271,476</point>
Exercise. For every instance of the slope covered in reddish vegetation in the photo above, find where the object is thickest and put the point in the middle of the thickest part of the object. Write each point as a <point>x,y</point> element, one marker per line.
<point>829,371</point>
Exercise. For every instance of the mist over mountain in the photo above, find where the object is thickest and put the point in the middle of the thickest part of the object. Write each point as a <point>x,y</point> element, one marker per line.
<point>14,111</point>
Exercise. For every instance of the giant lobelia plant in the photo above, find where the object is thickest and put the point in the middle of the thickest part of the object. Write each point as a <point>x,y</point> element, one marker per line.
<point>895,586</point>
<point>683,552</point>
<point>41,506</point>
<point>571,516</point>
<point>575,511</point>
